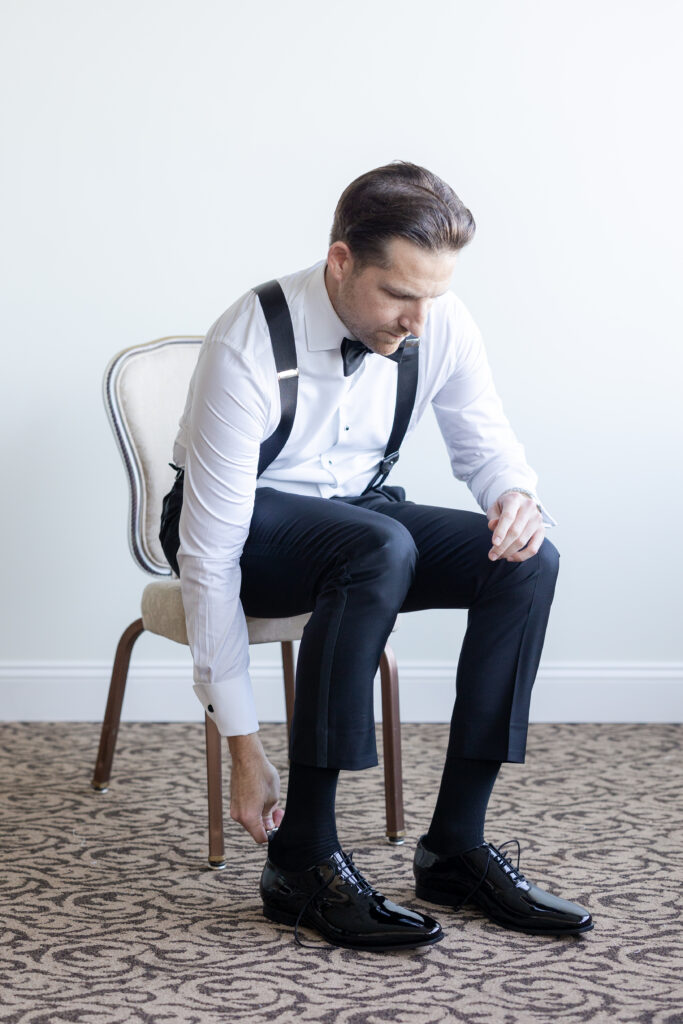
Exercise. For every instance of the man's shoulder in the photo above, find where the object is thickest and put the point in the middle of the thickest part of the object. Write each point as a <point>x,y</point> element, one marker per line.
<point>450,307</point>
<point>451,322</point>
<point>243,325</point>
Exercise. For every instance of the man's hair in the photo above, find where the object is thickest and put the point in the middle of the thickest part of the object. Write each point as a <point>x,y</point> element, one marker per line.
<point>400,200</point>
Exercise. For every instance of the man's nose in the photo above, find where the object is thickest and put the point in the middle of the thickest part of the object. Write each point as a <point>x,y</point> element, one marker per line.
<point>414,319</point>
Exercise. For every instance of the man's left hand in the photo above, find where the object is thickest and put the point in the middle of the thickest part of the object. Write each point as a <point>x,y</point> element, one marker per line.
<point>517,527</point>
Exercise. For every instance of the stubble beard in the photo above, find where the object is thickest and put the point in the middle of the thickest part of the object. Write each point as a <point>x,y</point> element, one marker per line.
<point>378,340</point>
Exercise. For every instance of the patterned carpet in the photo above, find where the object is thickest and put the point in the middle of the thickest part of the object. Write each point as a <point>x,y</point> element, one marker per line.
<point>109,914</point>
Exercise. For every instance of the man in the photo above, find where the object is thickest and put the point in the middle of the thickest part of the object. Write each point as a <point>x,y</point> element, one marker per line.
<point>318,530</point>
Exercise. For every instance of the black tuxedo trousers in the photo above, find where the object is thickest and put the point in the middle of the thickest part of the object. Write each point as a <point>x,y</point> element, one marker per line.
<point>355,563</point>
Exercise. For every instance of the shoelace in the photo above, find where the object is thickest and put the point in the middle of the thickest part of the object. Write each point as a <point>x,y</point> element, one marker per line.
<point>348,872</point>
<point>494,852</point>
<point>515,872</point>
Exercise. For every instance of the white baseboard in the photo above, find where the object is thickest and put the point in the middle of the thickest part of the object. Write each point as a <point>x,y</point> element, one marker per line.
<point>162,692</point>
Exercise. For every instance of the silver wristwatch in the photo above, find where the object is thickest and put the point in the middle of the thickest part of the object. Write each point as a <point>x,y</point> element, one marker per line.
<point>523,490</point>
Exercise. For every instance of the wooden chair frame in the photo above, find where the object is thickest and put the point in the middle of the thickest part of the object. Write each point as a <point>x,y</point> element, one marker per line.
<point>391,733</point>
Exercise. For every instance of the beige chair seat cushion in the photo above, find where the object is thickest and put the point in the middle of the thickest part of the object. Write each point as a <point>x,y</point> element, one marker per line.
<point>163,613</point>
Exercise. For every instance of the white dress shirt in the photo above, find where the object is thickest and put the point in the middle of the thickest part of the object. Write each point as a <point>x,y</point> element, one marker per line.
<point>339,435</point>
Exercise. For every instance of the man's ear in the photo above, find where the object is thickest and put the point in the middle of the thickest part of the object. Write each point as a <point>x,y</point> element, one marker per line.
<point>339,261</point>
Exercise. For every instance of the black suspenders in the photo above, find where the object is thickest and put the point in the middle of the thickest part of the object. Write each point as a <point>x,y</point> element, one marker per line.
<point>406,389</point>
<point>279,322</point>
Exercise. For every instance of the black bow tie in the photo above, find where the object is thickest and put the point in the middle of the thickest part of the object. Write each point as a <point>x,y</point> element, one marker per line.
<point>354,352</point>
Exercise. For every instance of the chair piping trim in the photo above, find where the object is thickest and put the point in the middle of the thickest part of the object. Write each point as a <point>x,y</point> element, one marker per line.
<point>130,461</point>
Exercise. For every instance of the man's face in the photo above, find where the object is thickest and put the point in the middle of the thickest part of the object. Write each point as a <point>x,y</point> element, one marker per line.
<point>382,306</point>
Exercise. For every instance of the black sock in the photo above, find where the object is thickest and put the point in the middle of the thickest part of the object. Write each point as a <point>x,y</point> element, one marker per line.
<point>458,822</point>
<point>308,832</point>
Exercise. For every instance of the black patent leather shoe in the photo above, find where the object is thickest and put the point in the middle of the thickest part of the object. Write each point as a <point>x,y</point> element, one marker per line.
<point>333,898</point>
<point>486,877</point>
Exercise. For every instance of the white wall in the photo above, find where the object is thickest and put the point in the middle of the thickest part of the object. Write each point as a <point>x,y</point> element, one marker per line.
<point>161,156</point>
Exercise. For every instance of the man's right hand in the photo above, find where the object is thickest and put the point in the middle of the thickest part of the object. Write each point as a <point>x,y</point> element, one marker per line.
<point>254,787</point>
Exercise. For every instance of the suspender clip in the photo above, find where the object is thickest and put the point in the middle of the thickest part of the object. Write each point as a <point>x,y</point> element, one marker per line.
<point>385,468</point>
<point>388,463</point>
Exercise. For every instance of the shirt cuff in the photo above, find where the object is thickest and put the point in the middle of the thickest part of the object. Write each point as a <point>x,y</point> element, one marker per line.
<point>230,705</point>
<point>545,515</point>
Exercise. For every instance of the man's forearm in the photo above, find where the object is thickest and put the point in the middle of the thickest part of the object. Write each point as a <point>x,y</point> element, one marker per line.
<point>245,748</point>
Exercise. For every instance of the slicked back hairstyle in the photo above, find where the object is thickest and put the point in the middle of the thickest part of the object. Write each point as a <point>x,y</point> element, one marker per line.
<point>400,200</point>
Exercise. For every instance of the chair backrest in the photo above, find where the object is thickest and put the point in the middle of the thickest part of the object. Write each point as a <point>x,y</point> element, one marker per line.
<point>145,388</point>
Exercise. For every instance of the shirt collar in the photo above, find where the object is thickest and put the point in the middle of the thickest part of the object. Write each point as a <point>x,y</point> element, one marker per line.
<point>324,329</point>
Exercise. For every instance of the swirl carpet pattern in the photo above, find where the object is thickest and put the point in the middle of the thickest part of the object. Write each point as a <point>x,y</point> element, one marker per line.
<point>110,915</point>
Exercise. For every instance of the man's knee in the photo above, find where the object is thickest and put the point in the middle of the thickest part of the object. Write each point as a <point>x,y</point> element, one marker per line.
<point>544,564</point>
<point>378,562</point>
<point>549,557</point>
<point>390,546</point>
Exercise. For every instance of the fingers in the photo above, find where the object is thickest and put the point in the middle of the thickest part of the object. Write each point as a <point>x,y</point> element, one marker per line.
<point>255,828</point>
<point>256,824</point>
<point>505,524</point>
<point>517,538</point>
<point>530,549</point>
<point>259,828</point>
<point>272,815</point>
<point>517,526</point>
<point>278,815</point>
<point>260,834</point>
<point>254,794</point>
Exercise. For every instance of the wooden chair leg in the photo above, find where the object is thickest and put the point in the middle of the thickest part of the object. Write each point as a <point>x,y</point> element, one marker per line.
<point>391,731</point>
<point>214,781</point>
<point>288,672</point>
<point>112,715</point>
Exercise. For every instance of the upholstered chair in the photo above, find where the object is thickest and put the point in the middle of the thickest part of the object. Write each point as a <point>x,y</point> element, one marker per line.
<point>145,387</point>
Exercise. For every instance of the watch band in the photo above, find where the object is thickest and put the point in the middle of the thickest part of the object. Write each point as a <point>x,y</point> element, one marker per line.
<point>523,490</point>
